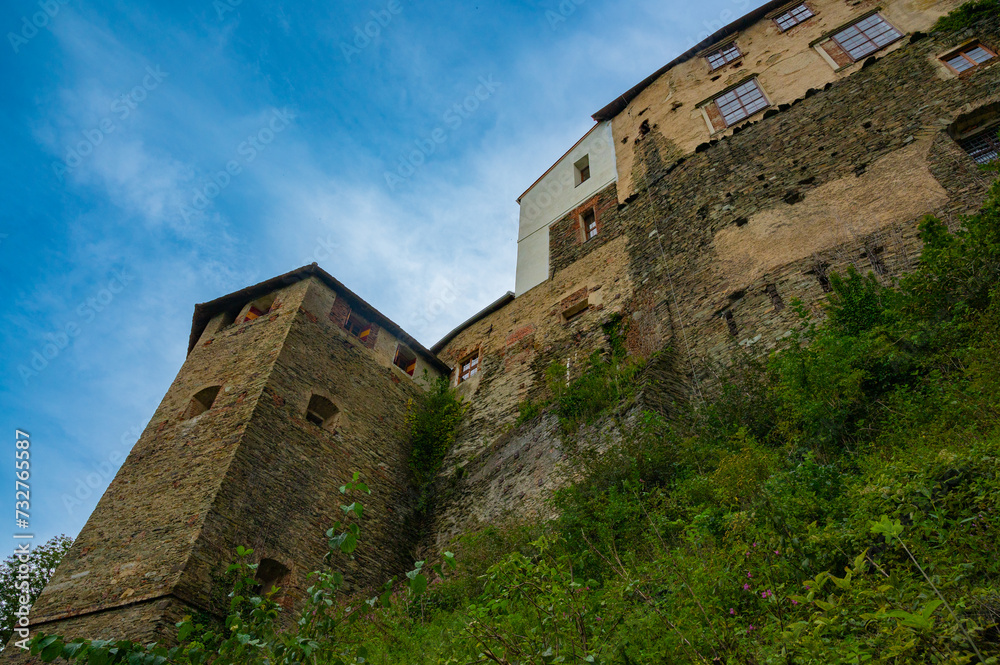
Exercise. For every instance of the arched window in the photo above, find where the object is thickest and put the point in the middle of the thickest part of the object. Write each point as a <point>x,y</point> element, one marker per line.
<point>270,574</point>
<point>322,412</point>
<point>977,133</point>
<point>202,401</point>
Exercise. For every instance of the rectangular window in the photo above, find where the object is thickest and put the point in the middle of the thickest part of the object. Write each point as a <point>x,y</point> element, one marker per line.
<point>723,56</point>
<point>358,326</point>
<point>793,17</point>
<point>968,57</point>
<point>405,359</point>
<point>983,147</point>
<point>741,102</point>
<point>866,36</point>
<point>469,367</point>
<point>581,170</point>
<point>589,223</point>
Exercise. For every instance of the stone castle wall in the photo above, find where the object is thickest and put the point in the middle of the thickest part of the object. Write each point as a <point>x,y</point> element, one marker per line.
<point>717,245</point>
<point>701,254</point>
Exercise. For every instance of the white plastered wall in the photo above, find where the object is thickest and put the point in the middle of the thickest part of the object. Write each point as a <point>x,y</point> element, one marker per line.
<point>553,196</point>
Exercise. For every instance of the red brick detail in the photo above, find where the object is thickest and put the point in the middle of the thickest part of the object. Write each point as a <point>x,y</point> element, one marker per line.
<point>838,54</point>
<point>309,315</point>
<point>572,299</point>
<point>340,311</point>
<point>715,116</point>
<point>369,341</point>
<point>519,334</point>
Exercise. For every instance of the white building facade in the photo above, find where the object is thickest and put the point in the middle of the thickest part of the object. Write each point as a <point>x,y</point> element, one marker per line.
<point>587,168</point>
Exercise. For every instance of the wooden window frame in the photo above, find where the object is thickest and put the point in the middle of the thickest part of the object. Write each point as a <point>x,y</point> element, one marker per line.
<point>723,53</point>
<point>405,359</point>
<point>362,331</point>
<point>584,226</point>
<point>468,367</point>
<point>793,13</point>
<point>961,52</point>
<point>748,109</point>
<point>581,170</point>
<point>842,42</point>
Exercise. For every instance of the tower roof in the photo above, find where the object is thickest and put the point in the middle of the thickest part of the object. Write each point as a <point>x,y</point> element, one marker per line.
<point>204,312</point>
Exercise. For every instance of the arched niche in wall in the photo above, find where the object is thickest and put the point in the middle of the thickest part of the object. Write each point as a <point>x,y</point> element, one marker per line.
<point>201,402</point>
<point>322,412</point>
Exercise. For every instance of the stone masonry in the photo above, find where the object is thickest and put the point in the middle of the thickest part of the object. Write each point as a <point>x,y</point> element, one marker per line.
<point>702,245</point>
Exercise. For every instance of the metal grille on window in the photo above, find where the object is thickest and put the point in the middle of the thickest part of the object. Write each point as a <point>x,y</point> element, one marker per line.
<point>724,55</point>
<point>866,36</point>
<point>967,59</point>
<point>741,102</point>
<point>470,367</point>
<point>983,147</point>
<point>793,17</point>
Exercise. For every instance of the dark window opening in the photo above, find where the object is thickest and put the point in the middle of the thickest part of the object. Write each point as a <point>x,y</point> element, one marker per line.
<point>793,17</point>
<point>819,269</point>
<point>322,412</point>
<point>776,300</point>
<point>730,323</point>
<point>723,56</point>
<point>259,307</point>
<point>405,360</point>
<point>358,326</point>
<point>875,259</point>
<point>741,102</point>
<point>866,36</point>
<point>270,574</point>
<point>202,401</point>
<point>581,170</point>
<point>469,367</point>
<point>968,57</point>
<point>589,223</point>
<point>983,147</point>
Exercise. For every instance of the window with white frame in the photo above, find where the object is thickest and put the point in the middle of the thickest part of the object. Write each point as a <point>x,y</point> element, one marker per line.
<point>741,102</point>
<point>866,36</point>
<point>469,367</point>
<point>793,17</point>
<point>968,57</point>
<point>724,56</point>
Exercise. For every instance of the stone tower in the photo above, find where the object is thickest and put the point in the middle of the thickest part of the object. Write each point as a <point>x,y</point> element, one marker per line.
<point>288,387</point>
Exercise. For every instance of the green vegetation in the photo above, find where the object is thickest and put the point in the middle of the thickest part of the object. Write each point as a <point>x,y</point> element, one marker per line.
<point>837,502</point>
<point>606,381</point>
<point>968,15</point>
<point>433,422</point>
<point>41,563</point>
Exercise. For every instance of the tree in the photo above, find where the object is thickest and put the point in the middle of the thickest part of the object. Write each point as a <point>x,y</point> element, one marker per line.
<point>42,562</point>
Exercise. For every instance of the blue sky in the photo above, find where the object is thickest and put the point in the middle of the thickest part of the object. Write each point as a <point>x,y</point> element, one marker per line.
<point>164,154</point>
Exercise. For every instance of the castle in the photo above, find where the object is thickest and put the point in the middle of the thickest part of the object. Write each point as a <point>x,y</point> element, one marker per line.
<point>802,138</point>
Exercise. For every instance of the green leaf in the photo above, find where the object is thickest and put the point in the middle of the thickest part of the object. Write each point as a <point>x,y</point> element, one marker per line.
<point>349,544</point>
<point>418,584</point>
<point>888,528</point>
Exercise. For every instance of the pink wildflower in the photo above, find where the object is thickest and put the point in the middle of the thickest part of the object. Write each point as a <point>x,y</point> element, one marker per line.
<point>746,587</point>
<point>732,611</point>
